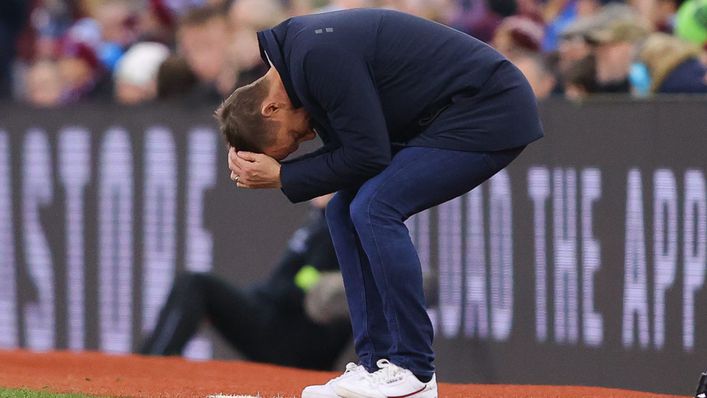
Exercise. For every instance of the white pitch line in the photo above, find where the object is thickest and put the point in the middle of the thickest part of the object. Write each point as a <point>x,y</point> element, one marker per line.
<point>232,396</point>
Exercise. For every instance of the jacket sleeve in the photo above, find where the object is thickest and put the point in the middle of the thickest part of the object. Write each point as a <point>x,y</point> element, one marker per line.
<point>341,83</point>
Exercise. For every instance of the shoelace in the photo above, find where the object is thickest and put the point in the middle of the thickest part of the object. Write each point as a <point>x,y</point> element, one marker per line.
<point>350,367</point>
<point>386,372</point>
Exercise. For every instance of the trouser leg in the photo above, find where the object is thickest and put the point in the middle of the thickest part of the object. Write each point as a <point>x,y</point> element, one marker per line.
<point>370,330</point>
<point>179,319</point>
<point>199,297</point>
<point>416,179</point>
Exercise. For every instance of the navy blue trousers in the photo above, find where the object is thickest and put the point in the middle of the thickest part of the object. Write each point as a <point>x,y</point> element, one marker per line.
<point>379,263</point>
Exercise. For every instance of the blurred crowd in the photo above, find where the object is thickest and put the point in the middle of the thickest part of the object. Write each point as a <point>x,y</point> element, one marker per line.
<point>56,52</point>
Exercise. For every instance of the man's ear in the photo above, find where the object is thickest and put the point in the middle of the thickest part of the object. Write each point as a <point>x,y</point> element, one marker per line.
<point>269,108</point>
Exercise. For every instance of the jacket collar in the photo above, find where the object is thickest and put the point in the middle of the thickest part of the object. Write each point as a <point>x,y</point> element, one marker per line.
<point>271,42</point>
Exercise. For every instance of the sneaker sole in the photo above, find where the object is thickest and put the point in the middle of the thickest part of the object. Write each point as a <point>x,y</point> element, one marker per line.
<point>345,393</point>
<point>318,395</point>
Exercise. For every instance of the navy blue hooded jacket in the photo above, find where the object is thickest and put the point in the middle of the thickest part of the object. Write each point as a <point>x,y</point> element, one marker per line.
<point>373,80</point>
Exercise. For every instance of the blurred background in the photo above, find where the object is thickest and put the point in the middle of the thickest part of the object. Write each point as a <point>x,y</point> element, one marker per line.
<point>59,52</point>
<point>583,263</point>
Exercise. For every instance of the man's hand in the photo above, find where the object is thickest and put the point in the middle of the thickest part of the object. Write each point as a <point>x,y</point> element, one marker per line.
<point>253,170</point>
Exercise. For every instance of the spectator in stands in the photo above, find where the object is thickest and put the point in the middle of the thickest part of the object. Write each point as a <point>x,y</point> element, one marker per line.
<point>572,48</point>
<point>175,80</point>
<point>574,43</point>
<point>536,69</point>
<point>480,18</point>
<point>297,317</point>
<point>690,22</point>
<point>662,14</point>
<point>255,15</point>
<point>246,17</point>
<point>178,8</point>
<point>136,73</point>
<point>12,18</point>
<point>579,80</point>
<point>48,23</point>
<point>336,5</point>
<point>115,28</point>
<point>215,36</point>
<point>518,34</point>
<point>83,74</point>
<point>436,10</point>
<point>560,14</point>
<point>43,84</point>
<point>674,65</point>
<point>612,36</point>
<point>300,7</point>
<point>202,39</point>
<point>118,20</point>
<point>156,23</point>
<point>615,46</point>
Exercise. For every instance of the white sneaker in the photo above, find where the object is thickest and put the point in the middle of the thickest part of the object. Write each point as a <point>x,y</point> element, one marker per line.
<point>391,381</point>
<point>353,371</point>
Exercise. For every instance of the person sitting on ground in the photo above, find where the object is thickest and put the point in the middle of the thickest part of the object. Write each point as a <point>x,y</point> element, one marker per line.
<point>297,317</point>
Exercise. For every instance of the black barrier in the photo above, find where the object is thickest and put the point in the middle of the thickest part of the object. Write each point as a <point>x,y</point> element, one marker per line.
<point>601,228</point>
<point>102,206</point>
<point>582,263</point>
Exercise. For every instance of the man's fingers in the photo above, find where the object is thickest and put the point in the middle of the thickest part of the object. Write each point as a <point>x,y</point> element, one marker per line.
<point>253,170</point>
<point>232,154</point>
<point>243,165</point>
<point>243,168</point>
<point>239,183</point>
<point>249,156</point>
<point>233,160</point>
